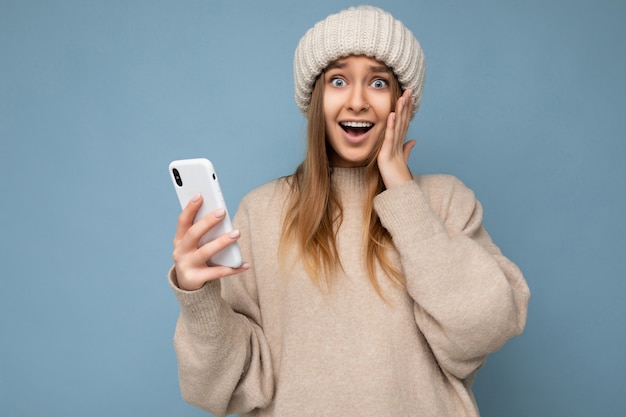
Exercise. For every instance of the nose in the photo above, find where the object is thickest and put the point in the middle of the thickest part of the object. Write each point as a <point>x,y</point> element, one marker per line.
<point>357,101</point>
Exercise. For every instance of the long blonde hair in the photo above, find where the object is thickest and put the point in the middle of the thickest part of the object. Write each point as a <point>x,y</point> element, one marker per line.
<point>314,212</point>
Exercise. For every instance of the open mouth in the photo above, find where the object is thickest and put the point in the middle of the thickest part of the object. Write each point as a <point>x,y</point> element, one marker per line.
<point>356,128</point>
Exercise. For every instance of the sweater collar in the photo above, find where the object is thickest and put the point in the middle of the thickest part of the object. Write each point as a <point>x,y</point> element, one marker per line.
<point>349,180</point>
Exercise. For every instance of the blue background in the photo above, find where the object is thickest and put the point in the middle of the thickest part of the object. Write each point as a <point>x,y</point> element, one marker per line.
<point>524,101</point>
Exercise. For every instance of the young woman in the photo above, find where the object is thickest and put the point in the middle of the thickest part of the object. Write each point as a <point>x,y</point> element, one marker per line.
<point>369,292</point>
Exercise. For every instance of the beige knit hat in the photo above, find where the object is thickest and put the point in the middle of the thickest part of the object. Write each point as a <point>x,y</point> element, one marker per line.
<point>362,30</point>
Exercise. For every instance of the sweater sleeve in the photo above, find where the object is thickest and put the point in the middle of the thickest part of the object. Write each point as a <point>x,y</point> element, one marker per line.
<point>469,298</point>
<point>224,361</point>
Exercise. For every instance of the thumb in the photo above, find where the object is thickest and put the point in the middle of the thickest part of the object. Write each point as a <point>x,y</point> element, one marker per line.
<point>407,148</point>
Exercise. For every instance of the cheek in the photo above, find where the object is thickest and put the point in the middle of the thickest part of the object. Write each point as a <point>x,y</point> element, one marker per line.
<point>331,103</point>
<point>384,105</point>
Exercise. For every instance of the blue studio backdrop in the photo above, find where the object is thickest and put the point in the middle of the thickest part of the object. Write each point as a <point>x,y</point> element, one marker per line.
<point>524,101</point>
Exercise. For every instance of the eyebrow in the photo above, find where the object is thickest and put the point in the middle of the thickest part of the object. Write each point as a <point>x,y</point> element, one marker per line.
<point>341,64</point>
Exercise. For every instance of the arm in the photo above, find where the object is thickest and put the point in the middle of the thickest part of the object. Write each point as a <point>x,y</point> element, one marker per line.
<point>223,357</point>
<point>469,298</point>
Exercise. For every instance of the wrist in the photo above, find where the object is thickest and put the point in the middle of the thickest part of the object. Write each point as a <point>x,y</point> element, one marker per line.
<point>393,178</point>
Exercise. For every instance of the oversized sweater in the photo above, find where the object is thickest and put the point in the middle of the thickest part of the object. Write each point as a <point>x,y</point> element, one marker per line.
<point>269,342</point>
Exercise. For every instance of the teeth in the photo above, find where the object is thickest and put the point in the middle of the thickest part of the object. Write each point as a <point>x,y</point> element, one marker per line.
<point>357,124</point>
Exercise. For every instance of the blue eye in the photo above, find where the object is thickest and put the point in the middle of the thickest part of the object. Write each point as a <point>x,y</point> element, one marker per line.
<point>379,83</point>
<point>337,82</point>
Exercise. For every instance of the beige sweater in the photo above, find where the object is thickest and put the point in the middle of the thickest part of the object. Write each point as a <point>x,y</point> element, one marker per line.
<point>273,344</point>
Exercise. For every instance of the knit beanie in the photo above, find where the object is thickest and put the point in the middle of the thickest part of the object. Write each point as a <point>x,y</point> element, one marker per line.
<point>362,30</point>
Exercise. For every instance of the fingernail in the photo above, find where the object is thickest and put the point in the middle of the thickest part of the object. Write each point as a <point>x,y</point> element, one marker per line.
<point>196,197</point>
<point>393,116</point>
<point>234,234</point>
<point>219,213</point>
<point>245,265</point>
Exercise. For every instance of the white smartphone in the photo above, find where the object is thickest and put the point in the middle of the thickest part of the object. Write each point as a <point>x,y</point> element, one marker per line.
<point>193,176</point>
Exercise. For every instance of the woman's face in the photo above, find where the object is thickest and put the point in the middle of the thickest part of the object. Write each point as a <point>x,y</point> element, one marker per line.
<point>357,100</point>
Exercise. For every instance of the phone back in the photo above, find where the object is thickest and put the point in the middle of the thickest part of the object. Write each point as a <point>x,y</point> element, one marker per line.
<point>193,176</point>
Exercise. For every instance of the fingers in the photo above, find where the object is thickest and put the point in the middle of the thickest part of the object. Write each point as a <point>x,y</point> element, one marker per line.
<point>397,127</point>
<point>402,118</point>
<point>210,249</point>
<point>188,233</point>
<point>201,227</point>
<point>407,148</point>
<point>219,271</point>
<point>185,219</point>
<point>190,262</point>
<point>394,152</point>
<point>186,246</point>
<point>194,279</point>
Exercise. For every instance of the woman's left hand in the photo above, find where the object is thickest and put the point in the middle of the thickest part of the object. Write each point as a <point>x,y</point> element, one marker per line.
<point>394,154</point>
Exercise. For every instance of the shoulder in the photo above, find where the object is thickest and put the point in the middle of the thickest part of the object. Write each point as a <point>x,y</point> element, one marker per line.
<point>271,195</point>
<point>450,197</point>
<point>441,183</point>
<point>443,187</point>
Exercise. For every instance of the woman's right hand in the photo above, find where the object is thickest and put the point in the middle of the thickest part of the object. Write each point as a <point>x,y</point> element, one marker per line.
<point>190,262</point>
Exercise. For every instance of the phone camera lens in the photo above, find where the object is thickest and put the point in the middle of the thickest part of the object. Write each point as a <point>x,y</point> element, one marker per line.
<point>177,178</point>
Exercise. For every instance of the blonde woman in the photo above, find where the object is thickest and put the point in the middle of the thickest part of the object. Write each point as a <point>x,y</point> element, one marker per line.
<point>367,291</point>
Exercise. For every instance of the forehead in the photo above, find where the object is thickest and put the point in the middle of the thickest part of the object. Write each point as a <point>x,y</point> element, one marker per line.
<point>351,61</point>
